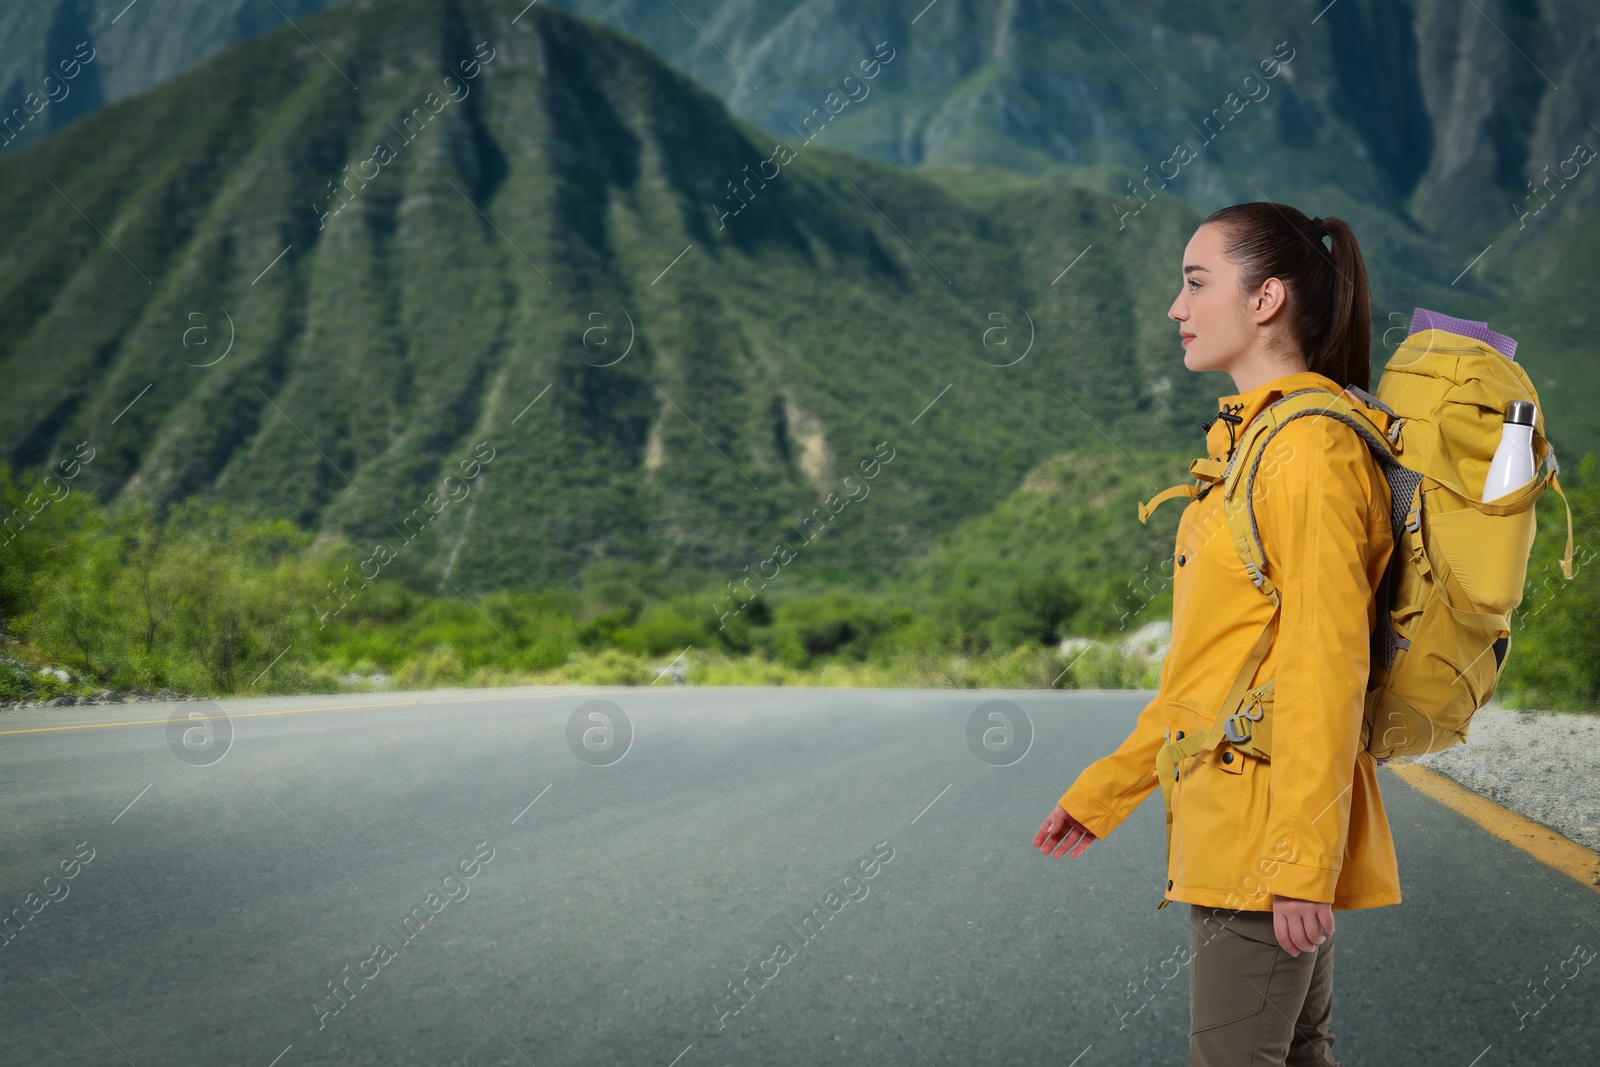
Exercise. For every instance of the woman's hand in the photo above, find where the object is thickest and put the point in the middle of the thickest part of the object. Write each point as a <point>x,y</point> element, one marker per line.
<point>1299,924</point>
<point>1064,834</point>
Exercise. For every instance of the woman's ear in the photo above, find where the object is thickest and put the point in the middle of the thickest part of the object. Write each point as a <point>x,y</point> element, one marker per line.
<point>1268,300</point>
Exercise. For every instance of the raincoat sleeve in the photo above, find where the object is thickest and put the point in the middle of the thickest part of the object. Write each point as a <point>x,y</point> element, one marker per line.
<point>1110,788</point>
<point>1317,518</point>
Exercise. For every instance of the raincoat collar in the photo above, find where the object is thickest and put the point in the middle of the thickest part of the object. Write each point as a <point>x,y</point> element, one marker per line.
<point>1221,435</point>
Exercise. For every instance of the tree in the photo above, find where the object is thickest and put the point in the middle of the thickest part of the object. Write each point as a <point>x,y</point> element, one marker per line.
<point>1047,602</point>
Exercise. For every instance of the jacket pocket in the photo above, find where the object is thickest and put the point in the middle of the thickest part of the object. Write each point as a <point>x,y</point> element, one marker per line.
<point>1224,758</point>
<point>1208,808</point>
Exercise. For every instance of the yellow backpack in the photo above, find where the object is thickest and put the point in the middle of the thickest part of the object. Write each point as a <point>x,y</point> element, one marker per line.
<point>1458,567</point>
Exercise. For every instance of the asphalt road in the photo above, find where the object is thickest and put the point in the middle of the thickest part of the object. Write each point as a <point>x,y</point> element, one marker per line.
<point>481,887</point>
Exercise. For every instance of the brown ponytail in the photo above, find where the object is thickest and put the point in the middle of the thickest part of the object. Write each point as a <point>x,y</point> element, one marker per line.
<point>1330,307</point>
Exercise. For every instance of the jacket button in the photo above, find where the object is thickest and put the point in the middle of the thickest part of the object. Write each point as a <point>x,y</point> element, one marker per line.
<point>1180,560</point>
<point>1180,735</point>
<point>1227,757</point>
<point>1169,883</point>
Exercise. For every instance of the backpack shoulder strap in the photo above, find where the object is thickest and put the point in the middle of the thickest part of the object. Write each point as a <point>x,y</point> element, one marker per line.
<point>1239,478</point>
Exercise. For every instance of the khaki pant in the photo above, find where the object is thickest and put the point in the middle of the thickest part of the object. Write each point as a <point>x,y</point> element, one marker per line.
<point>1252,1004</point>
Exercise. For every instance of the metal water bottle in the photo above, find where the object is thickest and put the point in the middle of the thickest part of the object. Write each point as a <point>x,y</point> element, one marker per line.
<point>1512,466</point>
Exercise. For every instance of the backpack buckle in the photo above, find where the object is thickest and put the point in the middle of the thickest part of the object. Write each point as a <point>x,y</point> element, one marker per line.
<point>1394,430</point>
<point>1255,576</point>
<point>1230,728</point>
<point>1414,519</point>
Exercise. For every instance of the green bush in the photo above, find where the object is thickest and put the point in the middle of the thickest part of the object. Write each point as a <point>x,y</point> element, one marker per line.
<point>1108,667</point>
<point>202,601</point>
<point>661,632</point>
<point>17,679</point>
<point>834,624</point>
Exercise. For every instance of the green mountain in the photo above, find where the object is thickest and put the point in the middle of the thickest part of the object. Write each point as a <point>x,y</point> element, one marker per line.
<point>1441,131</point>
<point>1444,132</point>
<point>177,291</point>
<point>1428,114</point>
<point>536,272</point>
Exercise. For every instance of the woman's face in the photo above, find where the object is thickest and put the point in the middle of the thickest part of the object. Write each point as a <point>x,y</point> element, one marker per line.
<point>1215,320</point>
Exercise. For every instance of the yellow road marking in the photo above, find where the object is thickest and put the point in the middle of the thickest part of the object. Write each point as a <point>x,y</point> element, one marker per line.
<point>260,714</point>
<point>1542,843</point>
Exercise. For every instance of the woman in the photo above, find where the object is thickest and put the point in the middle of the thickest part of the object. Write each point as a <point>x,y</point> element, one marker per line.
<point>1264,851</point>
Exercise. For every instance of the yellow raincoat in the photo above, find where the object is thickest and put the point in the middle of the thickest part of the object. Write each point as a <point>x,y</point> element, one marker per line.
<point>1309,823</point>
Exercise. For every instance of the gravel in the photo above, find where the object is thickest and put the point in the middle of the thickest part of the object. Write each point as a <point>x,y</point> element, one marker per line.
<point>1540,764</point>
<point>105,696</point>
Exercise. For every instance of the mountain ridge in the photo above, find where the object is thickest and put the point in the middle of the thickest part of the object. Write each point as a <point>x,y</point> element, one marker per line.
<point>473,289</point>
<point>574,179</point>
